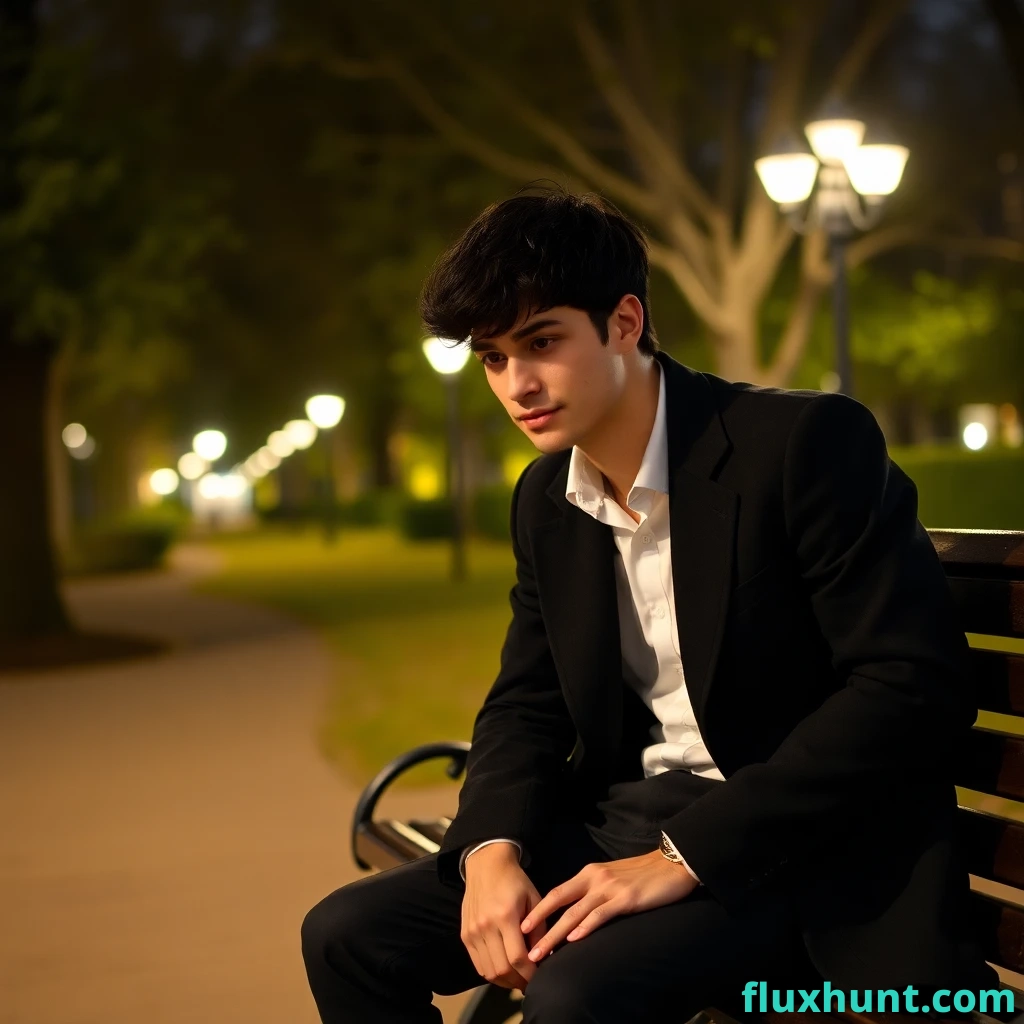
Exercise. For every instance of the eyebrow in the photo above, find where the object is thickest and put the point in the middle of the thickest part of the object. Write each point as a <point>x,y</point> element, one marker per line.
<point>479,345</point>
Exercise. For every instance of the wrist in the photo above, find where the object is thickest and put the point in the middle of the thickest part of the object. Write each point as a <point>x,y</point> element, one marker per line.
<point>492,855</point>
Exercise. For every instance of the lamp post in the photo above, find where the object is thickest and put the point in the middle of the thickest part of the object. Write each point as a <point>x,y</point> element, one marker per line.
<point>840,188</point>
<point>325,412</point>
<point>448,359</point>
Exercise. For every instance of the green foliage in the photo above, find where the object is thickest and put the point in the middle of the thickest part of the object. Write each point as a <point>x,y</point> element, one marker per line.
<point>962,489</point>
<point>932,340</point>
<point>922,335</point>
<point>426,520</point>
<point>134,541</point>
<point>103,252</point>
<point>491,511</point>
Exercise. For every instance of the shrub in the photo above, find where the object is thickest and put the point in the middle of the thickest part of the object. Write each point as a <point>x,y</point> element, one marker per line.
<point>133,541</point>
<point>961,489</point>
<point>491,508</point>
<point>427,520</point>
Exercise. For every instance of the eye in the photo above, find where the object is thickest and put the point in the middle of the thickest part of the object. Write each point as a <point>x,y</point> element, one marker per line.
<point>491,352</point>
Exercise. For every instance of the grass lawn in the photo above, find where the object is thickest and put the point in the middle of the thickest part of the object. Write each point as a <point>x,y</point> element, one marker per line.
<point>416,653</point>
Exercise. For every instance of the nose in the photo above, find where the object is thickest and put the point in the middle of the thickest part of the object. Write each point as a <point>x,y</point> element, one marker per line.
<point>522,380</point>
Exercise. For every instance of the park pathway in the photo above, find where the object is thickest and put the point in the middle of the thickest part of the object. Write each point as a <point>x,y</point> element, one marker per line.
<point>167,822</point>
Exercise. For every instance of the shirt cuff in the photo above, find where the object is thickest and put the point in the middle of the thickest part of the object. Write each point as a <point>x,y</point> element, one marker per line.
<point>673,848</point>
<point>479,846</point>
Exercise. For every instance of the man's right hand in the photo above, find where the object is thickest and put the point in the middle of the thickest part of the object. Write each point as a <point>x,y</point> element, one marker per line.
<point>498,897</point>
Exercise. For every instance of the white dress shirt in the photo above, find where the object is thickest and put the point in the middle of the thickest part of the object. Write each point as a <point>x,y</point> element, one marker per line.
<point>651,660</point>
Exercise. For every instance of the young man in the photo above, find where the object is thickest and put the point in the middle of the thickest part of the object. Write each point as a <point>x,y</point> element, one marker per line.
<point>733,665</point>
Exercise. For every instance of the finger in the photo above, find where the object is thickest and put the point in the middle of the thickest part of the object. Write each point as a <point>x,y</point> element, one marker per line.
<point>481,959</point>
<point>565,924</point>
<point>504,974</point>
<point>517,954</point>
<point>568,892</point>
<point>597,917</point>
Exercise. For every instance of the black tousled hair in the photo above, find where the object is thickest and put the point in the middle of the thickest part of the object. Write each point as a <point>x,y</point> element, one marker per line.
<point>530,253</point>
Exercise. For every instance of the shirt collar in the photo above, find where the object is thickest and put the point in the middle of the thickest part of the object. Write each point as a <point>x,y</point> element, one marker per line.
<point>585,484</point>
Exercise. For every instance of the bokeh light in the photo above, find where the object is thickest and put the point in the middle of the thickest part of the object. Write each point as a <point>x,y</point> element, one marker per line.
<point>210,444</point>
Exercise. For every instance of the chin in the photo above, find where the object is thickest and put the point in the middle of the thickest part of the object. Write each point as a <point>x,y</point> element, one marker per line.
<point>549,443</point>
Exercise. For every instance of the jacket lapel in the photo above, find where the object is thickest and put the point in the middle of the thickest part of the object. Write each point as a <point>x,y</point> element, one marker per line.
<point>702,515</point>
<point>574,563</point>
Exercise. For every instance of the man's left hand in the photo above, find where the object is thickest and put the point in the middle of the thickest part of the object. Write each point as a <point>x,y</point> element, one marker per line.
<point>601,892</point>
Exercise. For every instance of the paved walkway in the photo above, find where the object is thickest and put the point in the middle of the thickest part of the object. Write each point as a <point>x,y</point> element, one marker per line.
<point>167,822</point>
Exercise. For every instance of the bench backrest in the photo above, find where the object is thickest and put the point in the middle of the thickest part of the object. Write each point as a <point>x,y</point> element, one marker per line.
<point>985,569</point>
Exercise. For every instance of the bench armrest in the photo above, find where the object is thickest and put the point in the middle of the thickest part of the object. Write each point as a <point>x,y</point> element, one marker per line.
<point>456,750</point>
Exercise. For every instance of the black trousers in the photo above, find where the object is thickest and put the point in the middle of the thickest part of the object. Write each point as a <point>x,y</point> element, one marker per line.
<point>377,949</point>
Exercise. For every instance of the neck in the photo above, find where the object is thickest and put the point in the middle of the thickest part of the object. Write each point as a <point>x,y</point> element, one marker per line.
<point>616,447</point>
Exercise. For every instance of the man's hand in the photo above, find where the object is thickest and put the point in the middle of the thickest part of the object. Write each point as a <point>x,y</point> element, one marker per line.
<point>498,896</point>
<point>604,891</point>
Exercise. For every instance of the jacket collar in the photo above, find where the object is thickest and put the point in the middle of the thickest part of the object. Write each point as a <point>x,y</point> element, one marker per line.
<point>574,562</point>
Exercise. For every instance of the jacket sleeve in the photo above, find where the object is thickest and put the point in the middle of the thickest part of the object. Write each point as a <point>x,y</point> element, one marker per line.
<point>523,734</point>
<point>880,596</point>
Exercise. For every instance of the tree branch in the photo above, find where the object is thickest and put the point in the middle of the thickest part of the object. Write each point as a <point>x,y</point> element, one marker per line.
<point>1010,20</point>
<point>801,313</point>
<point>790,69</point>
<point>874,29</point>
<point>469,142</point>
<point>641,55</point>
<point>689,283</point>
<point>738,69</point>
<point>896,235</point>
<point>331,63</point>
<point>634,121</point>
<point>546,128</point>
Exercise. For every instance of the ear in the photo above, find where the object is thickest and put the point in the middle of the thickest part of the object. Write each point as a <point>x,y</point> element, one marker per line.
<point>626,323</point>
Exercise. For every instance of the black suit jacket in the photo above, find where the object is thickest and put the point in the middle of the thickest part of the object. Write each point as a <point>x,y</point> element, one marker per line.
<point>824,661</point>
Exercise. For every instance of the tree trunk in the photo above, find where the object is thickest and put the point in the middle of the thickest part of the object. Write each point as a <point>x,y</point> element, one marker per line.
<point>736,352</point>
<point>30,601</point>
<point>58,461</point>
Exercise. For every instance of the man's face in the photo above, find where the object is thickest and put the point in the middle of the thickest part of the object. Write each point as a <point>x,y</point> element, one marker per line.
<point>555,361</point>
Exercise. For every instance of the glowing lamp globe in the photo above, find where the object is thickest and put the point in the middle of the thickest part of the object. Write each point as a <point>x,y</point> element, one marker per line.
<point>163,481</point>
<point>325,411</point>
<point>787,177</point>
<point>444,355</point>
<point>301,433</point>
<point>876,170</point>
<point>209,444</point>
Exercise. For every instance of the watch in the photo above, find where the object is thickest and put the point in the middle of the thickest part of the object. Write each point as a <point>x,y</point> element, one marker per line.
<point>669,851</point>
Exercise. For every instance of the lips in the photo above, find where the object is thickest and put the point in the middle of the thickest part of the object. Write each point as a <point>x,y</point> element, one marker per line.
<point>539,420</point>
<point>538,414</point>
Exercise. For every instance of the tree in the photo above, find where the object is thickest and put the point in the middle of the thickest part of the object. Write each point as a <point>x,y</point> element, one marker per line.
<point>661,106</point>
<point>100,260</point>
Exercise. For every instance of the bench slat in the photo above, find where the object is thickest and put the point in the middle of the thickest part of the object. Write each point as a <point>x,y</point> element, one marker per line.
<point>1000,930</point>
<point>1000,681</point>
<point>992,607</point>
<point>433,830</point>
<point>994,554</point>
<point>994,763</point>
<point>993,847</point>
<point>384,846</point>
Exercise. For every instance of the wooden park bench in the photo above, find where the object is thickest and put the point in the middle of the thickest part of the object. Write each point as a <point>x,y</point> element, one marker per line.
<point>985,570</point>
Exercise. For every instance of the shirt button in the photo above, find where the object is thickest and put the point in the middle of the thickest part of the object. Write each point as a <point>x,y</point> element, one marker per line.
<point>659,612</point>
<point>647,538</point>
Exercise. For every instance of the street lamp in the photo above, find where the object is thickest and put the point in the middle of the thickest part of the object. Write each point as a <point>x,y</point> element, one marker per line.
<point>852,182</point>
<point>448,359</point>
<point>325,412</point>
